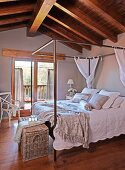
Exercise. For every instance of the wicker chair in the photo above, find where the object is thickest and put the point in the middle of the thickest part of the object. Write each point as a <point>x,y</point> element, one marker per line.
<point>10,108</point>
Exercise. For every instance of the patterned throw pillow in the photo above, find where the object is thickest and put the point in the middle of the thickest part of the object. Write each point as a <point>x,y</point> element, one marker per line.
<point>86,97</point>
<point>81,96</point>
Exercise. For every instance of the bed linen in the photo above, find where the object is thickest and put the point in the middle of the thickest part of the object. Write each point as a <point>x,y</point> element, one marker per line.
<point>103,124</point>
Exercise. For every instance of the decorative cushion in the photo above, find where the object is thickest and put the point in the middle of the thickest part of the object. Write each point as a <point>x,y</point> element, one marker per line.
<point>112,97</point>
<point>88,106</point>
<point>77,97</point>
<point>117,102</point>
<point>86,97</point>
<point>97,101</point>
<point>90,91</point>
<point>81,96</point>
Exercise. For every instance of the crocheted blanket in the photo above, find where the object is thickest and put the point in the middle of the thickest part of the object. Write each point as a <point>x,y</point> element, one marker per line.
<point>72,125</point>
<point>73,128</point>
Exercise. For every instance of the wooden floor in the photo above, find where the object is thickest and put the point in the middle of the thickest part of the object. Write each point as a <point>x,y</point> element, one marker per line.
<point>108,155</point>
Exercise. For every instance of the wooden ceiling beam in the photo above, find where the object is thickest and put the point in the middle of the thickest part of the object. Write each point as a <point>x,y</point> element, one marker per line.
<point>11,27</point>
<point>66,36</point>
<point>108,15</point>
<point>41,14</point>
<point>16,9</point>
<point>7,0</point>
<point>57,35</point>
<point>15,19</point>
<point>28,54</point>
<point>83,19</point>
<point>85,37</point>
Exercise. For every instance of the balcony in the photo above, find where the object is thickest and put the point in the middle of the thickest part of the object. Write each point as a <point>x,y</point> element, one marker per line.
<point>41,92</point>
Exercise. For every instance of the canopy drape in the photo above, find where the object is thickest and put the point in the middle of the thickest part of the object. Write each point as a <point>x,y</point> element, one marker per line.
<point>83,66</point>
<point>120,57</point>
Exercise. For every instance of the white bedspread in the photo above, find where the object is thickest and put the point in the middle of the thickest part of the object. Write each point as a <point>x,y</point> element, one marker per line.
<point>103,124</point>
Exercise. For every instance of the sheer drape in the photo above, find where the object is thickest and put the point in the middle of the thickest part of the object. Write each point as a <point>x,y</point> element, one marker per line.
<point>120,57</point>
<point>50,84</point>
<point>19,91</point>
<point>83,66</point>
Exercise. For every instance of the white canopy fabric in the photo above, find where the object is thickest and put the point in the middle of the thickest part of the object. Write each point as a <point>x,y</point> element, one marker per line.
<point>120,57</point>
<point>83,66</point>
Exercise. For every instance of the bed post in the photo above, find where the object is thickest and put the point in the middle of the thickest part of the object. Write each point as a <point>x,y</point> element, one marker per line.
<point>89,65</point>
<point>55,88</point>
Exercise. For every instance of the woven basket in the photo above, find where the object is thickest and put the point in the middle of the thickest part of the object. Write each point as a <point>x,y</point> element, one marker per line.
<point>34,142</point>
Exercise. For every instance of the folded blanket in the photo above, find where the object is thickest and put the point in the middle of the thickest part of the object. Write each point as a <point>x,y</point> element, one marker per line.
<point>72,124</point>
<point>73,128</point>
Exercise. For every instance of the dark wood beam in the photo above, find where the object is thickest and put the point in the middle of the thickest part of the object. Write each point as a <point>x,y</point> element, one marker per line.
<point>15,19</point>
<point>67,35</point>
<point>82,35</point>
<point>16,9</point>
<point>43,10</point>
<point>7,0</point>
<point>109,15</point>
<point>83,19</point>
<point>55,35</point>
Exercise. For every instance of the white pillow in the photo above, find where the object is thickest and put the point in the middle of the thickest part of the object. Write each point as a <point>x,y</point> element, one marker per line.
<point>117,102</point>
<point>112,97</point>
<point>97,101</point>
<point>90,91</point>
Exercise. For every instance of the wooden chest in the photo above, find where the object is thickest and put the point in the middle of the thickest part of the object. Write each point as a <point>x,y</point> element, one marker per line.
<point>34,142</point>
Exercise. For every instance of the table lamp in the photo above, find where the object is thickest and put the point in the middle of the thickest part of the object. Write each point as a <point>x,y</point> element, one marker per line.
<point>70,82</point>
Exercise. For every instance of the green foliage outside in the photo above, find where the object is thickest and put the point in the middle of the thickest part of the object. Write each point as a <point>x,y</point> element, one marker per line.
<point>42,72</point>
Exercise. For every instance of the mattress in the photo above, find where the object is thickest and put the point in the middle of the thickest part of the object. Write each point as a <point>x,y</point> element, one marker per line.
<point>103,124</point>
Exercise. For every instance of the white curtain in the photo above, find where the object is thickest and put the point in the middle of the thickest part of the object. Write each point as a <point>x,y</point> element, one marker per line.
<point>50,84</point>
<point>19,91</point>
<point>120,57</point>
<point>83,66</point>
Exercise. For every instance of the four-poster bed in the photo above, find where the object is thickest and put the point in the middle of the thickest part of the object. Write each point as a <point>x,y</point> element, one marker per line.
<point>55,71</point>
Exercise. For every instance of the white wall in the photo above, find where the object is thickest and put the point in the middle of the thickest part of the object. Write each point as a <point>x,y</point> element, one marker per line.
<point>68,69</point>
<point>107,74</point>
<point>17,39</point>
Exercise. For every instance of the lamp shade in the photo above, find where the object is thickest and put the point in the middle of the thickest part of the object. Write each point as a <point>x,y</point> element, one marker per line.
<point>70,81</point>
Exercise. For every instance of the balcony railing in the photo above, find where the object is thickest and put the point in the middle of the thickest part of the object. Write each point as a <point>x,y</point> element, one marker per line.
<point>41,92</point>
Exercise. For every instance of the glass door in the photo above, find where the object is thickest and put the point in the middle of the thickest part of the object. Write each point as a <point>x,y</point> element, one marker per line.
<point>45,81</point>
<point>34,81</point>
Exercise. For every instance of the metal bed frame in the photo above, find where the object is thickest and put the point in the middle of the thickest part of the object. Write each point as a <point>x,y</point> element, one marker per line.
<point>55,68</point>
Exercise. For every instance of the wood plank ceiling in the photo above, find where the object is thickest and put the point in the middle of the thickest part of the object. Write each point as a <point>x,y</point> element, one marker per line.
<point>88,21</point>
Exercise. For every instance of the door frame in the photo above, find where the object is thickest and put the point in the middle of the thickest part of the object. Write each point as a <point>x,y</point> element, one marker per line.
<point>33,84</point>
